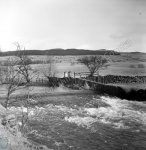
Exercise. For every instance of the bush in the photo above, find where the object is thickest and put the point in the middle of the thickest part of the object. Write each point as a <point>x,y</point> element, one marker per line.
<point>132,66</point>
<point>141,66</point>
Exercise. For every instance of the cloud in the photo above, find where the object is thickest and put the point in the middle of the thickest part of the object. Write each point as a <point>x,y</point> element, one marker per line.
<point>46,43</point>
<point>85,46</point>
<point>118,36</point>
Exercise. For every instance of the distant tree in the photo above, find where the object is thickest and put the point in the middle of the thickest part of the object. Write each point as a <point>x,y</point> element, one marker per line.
<point>132,66</point>
<point>141,66</point>
<point>93,63</point>
<point>48,67</point>
<point>48,70</point>
<point>24,65</point>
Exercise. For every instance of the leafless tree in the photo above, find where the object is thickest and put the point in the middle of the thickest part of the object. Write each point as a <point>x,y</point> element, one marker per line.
<point>25,103</point>
<point>11,77</point>
<point>1,73</point>
<point>93,63</point>
<point>48,68</point>
<point>24,65</point>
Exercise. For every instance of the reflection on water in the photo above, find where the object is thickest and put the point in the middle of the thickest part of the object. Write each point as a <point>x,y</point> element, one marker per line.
<point>92,123</point>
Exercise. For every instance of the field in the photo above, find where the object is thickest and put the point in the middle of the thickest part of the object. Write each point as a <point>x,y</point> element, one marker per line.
<point>125,64</point>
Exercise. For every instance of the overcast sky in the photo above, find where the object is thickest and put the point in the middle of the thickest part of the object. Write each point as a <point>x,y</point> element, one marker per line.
<point>88,24</point>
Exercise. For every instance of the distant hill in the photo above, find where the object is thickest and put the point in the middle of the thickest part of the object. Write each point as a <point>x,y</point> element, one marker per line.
<point>137,53</point>
<point>62,52</point>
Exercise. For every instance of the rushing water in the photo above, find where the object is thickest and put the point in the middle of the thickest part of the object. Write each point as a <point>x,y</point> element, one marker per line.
<point>89,122</point>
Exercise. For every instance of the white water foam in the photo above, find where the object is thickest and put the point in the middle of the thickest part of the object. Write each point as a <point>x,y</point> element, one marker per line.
<point>81,121</point>
<point>119,113</point>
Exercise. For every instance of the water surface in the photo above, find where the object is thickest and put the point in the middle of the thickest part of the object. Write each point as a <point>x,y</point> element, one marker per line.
<point>89,122</point>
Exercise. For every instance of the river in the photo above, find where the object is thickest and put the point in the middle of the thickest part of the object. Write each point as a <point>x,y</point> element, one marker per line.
<point>88,122</point>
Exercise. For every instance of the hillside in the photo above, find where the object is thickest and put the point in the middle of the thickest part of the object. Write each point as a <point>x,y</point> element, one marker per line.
<point>62,52</point>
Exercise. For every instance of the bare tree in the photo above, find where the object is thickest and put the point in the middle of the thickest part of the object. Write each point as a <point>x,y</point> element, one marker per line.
<point>11,77</point>
<point>93,63</point>
<point>24,65</point>
<point>25,103</point>
<point>48,68</point>
<point>2,68</point>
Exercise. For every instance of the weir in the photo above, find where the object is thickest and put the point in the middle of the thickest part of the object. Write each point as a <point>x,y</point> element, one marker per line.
<point>94,83</point>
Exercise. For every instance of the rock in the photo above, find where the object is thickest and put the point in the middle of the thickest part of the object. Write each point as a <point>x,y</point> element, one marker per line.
<point>11,117</point>
<point>11,120</point>
<point>4,121</point>
<point>2,111</point>
<point>10,135</point>
<point>143,128</point>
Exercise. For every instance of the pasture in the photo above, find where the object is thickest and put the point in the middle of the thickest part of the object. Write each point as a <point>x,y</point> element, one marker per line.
<point>124,64</point>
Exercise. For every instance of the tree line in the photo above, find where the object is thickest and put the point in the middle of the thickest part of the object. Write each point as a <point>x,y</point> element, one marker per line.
<point>60,52</point>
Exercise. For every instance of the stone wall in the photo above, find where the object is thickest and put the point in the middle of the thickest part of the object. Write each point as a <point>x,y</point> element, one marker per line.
<point>121,92</point>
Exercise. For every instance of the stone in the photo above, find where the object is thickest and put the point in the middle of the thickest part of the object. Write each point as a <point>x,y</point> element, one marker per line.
<point>2,111</point>
<point>143,128</point>
<point>4,121</point>
<point>11,117</point>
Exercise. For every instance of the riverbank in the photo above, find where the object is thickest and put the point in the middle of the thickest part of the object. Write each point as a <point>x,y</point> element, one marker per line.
<point>10,136</point>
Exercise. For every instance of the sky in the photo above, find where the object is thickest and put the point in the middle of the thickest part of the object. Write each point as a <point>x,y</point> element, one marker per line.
<point>83,24</point>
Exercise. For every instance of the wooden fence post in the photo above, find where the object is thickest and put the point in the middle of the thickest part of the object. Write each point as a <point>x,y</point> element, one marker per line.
<point>64,74</point>
<point>69,74</point>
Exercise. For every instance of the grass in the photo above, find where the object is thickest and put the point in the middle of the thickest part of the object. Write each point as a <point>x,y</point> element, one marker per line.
<point>118,64</point>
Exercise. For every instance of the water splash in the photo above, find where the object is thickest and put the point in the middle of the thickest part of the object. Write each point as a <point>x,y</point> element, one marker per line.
<point>81,121</point>
<point>61,88</point>
<point>118,113</point>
